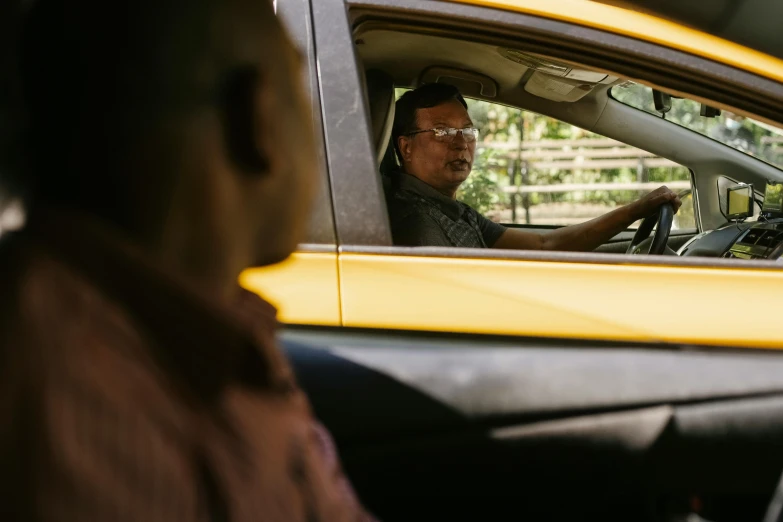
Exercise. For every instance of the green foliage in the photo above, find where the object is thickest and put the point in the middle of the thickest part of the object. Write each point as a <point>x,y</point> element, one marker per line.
<point>481,190</point>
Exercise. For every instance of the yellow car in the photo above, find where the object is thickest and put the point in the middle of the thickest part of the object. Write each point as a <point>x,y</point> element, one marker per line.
<point>468,384</point>
<point>579,66</point>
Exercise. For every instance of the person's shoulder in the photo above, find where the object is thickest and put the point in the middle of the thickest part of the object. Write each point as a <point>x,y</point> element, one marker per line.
<point>418,229</point>
<point>62,318</point>
<point>30,276</point>
<point>43,283</point>
<point>65,338</point>
<point>403,204</point>
<point>470,210</point>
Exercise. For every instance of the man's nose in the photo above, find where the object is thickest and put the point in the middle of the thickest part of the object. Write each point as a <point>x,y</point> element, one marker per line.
<point>459,142</point>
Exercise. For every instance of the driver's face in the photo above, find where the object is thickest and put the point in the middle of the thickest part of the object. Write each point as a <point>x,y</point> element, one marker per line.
<point>442,164</point>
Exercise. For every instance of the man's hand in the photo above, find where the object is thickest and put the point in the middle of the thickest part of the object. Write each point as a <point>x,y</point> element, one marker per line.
<point>649,203</point>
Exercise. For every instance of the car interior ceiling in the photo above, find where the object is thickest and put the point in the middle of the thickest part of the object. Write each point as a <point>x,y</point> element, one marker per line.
<point>409,58</point>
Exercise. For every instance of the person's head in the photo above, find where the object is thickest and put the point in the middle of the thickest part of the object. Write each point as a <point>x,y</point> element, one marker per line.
<point>442,161</point>
<point>169,118</point>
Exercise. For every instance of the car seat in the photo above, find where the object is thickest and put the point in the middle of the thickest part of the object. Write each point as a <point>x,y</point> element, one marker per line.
<point>381,99</point>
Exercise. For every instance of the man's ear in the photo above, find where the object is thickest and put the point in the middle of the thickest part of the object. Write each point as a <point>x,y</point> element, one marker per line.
<point>404,146</point>
<point>239,100</point>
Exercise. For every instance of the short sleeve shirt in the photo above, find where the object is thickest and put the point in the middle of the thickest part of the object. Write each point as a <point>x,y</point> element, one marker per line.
<point>422,216</point>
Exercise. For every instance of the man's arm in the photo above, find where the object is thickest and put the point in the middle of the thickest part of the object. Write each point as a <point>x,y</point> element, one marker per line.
<point>591,234</point>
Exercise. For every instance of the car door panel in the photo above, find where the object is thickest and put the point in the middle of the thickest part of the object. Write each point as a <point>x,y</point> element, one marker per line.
<point>362,404</point>
<point>465,291</point>
<point>423,420</point>
<point>490,377</point>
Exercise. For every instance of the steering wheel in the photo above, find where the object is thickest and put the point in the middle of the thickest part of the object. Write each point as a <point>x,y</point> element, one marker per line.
<point>662,221</point>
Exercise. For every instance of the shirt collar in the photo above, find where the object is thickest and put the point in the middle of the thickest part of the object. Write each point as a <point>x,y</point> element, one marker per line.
<point>203,342</point>
<point>451,207</point>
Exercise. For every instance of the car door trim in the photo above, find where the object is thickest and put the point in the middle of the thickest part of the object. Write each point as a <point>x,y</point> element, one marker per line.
<point>298,20</point>
<point>561,257</point>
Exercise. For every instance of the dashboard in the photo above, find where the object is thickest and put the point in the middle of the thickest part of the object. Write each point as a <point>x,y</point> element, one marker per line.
<point>762,239</point>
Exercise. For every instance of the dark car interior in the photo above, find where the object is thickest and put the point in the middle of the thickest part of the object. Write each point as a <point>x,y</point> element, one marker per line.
<point>498,429</point>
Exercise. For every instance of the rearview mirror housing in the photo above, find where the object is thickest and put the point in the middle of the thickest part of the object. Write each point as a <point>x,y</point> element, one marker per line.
<point>662,101</point>
<point>709,112</point>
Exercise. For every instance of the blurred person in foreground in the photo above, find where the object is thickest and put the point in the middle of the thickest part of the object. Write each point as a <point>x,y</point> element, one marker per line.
<point>169,149</point>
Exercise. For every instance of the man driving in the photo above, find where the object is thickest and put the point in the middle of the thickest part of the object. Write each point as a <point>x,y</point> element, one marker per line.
<point>435,142</point>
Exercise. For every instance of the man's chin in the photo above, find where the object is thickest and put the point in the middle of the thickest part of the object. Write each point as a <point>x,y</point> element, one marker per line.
<point>458,176</point>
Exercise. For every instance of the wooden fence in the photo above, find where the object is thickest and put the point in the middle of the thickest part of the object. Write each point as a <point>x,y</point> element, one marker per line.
<point>575,155</point>
<point>587,154</point>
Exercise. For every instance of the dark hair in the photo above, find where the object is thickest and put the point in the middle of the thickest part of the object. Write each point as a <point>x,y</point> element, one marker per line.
<point>424,97</point>
<point>91,83</point>
<point>99,79</point>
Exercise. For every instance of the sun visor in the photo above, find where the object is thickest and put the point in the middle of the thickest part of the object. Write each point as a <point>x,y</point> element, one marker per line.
<point>557,89</point>
<point>551,67</point>
<point>554,80</point>
<point>469,83</point>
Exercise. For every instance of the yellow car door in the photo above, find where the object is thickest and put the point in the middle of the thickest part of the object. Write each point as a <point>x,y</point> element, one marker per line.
<point>368,283</point>
<point>545,295</point>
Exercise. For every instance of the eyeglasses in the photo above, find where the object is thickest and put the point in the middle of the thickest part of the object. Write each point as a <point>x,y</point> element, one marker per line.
<point>448,134</point>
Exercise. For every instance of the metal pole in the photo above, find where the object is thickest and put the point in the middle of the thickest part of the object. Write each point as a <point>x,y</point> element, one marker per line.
<point>521,165</point>
<point>526,195</point>
<point>641,174</point>
<point>512,176</point>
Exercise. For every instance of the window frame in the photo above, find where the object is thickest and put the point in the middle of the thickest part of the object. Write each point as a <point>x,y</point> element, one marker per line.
<point>670,68</point>
<point>360,214</point>
<point>297,20</point>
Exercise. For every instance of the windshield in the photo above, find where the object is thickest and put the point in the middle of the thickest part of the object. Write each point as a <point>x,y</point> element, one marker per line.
<point>754,138</point>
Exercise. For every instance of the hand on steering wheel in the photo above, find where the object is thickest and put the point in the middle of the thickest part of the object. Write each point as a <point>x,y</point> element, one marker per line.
<point>662,220</point>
